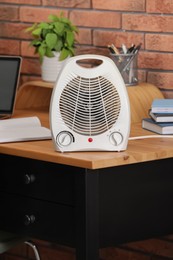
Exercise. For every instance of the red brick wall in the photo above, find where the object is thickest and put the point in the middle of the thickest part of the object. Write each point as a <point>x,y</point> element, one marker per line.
<point>100,22</point>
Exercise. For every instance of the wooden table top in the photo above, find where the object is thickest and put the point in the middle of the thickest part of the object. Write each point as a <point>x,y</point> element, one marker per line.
<point>140,150</point>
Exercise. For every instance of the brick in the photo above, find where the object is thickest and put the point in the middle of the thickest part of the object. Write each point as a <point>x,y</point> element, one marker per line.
<point>9,12</point>
<point>92,50</point>
<point>84,36</point>
<point>27,50</point>
<point>96,19</point>
<point>31,14</point>
<point>67,3</point>
<point>153,60</point>
<point>159,42</point>
<point>163,80</point>
<point>140,22</point>
<point>30,2</point>
<point>13,30</point>
<point>142,76</point>
<point>9,47</point>
<point>31,66</point>
<point>159,6</point>
<point>167,94</point>
<point>103,38</point>
<point>123,5</point>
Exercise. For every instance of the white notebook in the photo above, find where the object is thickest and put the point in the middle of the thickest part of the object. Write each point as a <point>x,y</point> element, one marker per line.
<point>23,129</point>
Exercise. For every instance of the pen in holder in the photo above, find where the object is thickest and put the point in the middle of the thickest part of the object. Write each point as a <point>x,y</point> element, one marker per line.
<point>127,65</point>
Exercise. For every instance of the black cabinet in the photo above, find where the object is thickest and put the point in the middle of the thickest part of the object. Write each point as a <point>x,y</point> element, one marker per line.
<point>37,198</point>
<point>37,179</point>
<point>37,218</point>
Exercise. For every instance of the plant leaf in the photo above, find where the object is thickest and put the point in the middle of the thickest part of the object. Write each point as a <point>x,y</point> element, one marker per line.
<point>49,53</point>
<point>51,40</point>
<point>36,32</point>
<point>71,51</point>
<point>41,52</point>
<point>31,28</point>
<point>59,45</point>
<point>43,25</point>
<point>59,28</point>
<point>53,18</point>
<point>35,42</point>
<point>64,54</point>
<point>70,38</point>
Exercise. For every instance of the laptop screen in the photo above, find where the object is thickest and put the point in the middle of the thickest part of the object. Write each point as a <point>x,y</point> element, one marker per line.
<point>9,79</point>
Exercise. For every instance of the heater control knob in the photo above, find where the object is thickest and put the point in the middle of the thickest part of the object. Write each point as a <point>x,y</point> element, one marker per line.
<point>64,138</point>
<point>116,138</point>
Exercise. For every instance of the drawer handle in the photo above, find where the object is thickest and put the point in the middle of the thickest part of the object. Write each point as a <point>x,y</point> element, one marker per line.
<point>29,178</point>
<point>29,219</point>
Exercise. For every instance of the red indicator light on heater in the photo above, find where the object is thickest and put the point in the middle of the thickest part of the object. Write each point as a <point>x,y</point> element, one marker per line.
<point>90,140</point>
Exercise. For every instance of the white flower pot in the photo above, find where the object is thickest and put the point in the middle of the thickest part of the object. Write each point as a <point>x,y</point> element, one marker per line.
<point>51,67</point>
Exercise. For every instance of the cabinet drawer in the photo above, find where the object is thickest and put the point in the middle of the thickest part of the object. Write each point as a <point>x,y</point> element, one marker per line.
<point>37,219</point>
<point>38,179</point>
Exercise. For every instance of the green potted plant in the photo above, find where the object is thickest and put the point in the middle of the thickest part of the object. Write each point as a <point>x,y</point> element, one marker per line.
<point>53,39</point>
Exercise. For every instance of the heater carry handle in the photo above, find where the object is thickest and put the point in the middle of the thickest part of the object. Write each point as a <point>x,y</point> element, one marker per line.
<point>91,57</point>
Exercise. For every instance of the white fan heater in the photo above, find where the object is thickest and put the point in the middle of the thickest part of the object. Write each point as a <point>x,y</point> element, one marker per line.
<point>89,109</point>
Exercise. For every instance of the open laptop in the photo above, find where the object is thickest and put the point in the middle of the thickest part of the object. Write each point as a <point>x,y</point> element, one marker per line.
<point>9,79</point>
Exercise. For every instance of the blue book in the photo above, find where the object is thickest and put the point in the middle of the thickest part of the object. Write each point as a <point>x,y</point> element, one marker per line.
<point>161,117</point>
<point>164,105</point>
<point>159,128</point>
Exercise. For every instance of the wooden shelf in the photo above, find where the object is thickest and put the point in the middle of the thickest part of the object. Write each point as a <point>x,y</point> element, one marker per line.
<point>34,95</point>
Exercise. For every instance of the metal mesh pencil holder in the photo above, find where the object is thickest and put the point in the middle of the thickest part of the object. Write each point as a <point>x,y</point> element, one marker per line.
<point>127,65</point>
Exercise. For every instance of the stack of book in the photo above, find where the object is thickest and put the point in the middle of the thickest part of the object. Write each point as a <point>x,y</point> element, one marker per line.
<point>161,117</point>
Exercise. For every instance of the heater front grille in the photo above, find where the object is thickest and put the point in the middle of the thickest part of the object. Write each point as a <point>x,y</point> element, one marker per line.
<point>89,106</point>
